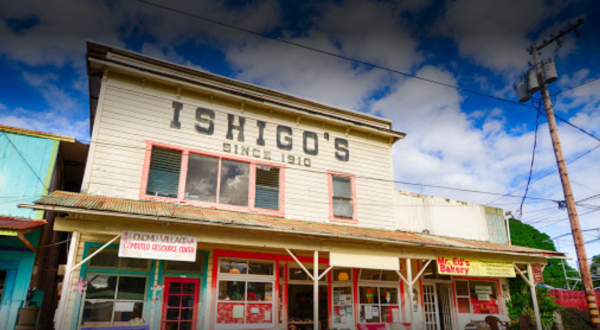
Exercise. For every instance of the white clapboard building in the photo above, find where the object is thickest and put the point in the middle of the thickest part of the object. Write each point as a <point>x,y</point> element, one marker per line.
<point>210,203</point>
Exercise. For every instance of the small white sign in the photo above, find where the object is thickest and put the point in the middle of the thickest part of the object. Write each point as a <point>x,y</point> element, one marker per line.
<point>483,297</point>
<point>254,310</point>
<point>267,316</point>
<point>483,289</point>
<point>124,306</point>
<point>238,312</point>
<point>157,246</point>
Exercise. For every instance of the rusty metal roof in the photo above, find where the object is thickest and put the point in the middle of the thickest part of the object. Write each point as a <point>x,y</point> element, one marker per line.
<point>11,223</point>
<point>74,202</point>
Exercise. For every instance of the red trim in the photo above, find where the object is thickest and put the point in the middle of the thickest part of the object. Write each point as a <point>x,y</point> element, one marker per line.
<point>421,288</point>
<point>183,176</point>
<point>352,178</point>
<point>356,302</point>
<point>402,300</point>
<point>285,297</point>
<point>166,295</point>
<point>329,301</point>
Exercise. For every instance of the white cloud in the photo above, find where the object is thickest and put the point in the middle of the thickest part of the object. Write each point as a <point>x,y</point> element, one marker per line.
<point>367,31</point>
<point>495,34</point>
<point>50,121</point>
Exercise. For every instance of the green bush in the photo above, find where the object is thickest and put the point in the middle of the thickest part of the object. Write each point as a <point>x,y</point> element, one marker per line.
<point>521,303</point>
<point>576,319</point>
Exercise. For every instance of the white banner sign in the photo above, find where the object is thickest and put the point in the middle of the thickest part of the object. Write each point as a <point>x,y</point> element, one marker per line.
<point>157,246</point>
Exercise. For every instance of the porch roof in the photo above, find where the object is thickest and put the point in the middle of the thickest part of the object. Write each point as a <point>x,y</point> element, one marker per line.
<point>69,202</point>
<point>12,223</point>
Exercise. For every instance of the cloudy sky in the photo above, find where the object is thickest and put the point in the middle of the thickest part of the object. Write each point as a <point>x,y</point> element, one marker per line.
<point>455,138</point>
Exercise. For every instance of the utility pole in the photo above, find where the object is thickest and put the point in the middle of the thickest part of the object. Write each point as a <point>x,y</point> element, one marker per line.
<point>586,276</point>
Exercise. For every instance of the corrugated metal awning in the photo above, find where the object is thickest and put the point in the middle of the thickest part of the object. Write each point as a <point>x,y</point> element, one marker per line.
<point>145,210</point>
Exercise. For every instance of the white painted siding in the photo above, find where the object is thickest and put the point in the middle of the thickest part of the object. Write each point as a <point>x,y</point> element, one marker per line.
<point>133,113</point>
<point>442,217</point>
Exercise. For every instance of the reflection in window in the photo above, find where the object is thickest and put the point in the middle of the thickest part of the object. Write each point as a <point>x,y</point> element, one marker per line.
<point>342,197</point>
<point>235,178</point>
<point>113,300</point>
<point>379,304</point>
<point>202,176</point>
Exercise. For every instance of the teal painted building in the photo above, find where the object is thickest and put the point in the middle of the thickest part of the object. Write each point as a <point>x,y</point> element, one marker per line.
<point>27,172</point>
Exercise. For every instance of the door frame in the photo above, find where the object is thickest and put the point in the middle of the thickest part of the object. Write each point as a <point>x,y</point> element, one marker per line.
<point>169,280</point>
<point>453,315</point>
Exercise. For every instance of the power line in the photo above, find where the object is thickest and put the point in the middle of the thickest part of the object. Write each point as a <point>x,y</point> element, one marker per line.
<point>537,125</point>
<point>331,54</point>
<point>576,86</point>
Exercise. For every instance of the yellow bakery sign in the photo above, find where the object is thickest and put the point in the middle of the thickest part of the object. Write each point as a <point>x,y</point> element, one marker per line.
<point>474,267</point>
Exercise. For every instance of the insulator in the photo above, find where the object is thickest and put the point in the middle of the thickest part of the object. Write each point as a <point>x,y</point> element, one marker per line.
<point>533,84</point>
<point>521,88</point>
<point>549,71</point>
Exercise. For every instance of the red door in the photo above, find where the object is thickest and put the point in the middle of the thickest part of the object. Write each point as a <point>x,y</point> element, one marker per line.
<point>180,305</point>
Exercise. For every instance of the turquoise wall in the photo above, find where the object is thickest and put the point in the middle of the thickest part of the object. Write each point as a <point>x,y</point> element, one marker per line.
<point>26,168</point>
<point>25,171</point>
<point>18,262</point>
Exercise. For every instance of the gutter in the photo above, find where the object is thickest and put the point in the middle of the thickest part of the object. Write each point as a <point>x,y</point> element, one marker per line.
<point>52,208</point>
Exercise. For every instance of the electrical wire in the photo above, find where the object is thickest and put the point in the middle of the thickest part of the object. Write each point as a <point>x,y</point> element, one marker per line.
<point>537,125</point>
<point>25,160</point>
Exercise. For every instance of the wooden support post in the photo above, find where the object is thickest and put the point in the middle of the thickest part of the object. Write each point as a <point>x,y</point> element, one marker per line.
<point>410,291</point>
<point>316,290</point>
<point>531,283</point>
<point>61,311</point>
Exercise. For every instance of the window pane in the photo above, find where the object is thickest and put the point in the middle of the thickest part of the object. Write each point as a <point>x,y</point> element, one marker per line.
<point>232,290</point>
<point>342,295</point>
<point>389,275</point>
<point>260,268</point>
<point>370,274</point>
<point>389,295</point>
<point>341,187</point>
<point>258,291</point>
<point>267,198</point>
<point>462,288</point>
<point>483,297</point>
<point>343,208</point>
<point>107,258</point>
<point>369,314</point>
<point>131,288</point>
<point>163,176</point>
<point>235,177</point>
<point>234,267</point>
<point>463,305</point>
<point>342,274</point>
<point>97,313</point>
<point>298,274</point>
<point>124,317</point>
<point>185,266</point>
<point>133,263</point>
<point>101,287</point>
<point>369,295</point>
<point>202,176</point>
<point>390,314</point>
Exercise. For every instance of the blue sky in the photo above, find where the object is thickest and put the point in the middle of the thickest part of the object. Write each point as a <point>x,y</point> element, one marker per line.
<point>455,138</point>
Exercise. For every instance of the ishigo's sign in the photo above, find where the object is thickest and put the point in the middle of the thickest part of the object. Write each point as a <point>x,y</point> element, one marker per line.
<point>157,246</point>
<point>474,267</point>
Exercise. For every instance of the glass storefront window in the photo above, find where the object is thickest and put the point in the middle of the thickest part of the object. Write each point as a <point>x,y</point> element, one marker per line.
<point>246,294</point>
<point>109,259</point>
<point>379,304</point>
<point>113,300</point>
<point>477,297</point>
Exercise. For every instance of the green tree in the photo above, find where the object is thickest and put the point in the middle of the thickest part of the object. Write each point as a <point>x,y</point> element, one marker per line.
<point>595,268</point>
<point>520,296</point>
<point>525,235</point>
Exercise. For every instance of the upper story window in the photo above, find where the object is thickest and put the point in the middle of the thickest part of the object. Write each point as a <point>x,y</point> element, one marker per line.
<point>342,197</point>
<point>207,179</point>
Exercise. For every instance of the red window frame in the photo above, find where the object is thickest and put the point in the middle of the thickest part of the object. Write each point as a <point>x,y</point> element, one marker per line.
<point>499,300</point>
<point>183,177</point>
<point>332,217</point>
<point>166,295</point>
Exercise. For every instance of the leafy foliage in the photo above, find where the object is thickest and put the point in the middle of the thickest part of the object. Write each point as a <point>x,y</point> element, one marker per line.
<point>576,319</point>
<point>595,268</point>
<point>525,235</point>
<point>520,296</point>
